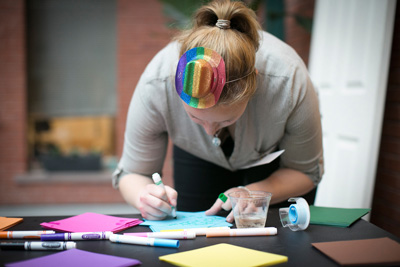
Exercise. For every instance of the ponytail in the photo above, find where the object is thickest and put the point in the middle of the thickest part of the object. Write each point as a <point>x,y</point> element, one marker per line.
<point>231,29</point>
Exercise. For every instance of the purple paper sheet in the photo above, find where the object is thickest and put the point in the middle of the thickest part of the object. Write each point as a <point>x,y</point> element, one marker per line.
<point>76,258</point>
<point>92,222</point>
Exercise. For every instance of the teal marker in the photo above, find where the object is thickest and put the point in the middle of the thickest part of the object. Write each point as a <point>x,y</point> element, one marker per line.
<point>157,180</point>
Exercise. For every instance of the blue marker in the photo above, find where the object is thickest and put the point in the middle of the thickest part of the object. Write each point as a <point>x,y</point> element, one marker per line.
<point>157,180</point>
<point>145,241</point>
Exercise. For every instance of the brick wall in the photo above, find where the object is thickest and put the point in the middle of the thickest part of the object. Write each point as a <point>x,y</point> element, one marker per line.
<point>141,34</point>
<point>386,200</point>
<point>13,140</point>
<point>296,35</point>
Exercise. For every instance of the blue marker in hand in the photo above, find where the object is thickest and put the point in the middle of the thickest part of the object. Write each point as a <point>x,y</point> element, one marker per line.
<point>157,180</point>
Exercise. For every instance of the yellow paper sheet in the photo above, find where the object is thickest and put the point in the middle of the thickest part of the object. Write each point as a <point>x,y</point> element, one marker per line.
<point>224,255</point>
<point>6,223</point>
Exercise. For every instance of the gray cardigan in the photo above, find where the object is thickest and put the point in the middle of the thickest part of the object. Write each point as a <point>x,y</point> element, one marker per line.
<point>283,114</point>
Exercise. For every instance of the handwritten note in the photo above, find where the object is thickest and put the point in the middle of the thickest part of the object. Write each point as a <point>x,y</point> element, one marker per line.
<point>187,220</point>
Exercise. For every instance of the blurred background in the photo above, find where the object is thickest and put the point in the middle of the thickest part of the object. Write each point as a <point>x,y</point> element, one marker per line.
<point>68,70</point>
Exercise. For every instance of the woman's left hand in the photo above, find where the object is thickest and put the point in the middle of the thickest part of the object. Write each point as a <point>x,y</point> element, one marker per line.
<point>219,204</point>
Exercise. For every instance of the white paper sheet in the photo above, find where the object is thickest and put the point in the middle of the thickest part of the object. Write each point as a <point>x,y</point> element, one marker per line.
<point>265,160</point>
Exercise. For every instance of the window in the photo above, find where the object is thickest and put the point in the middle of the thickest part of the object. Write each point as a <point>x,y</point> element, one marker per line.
<point>71,77</point>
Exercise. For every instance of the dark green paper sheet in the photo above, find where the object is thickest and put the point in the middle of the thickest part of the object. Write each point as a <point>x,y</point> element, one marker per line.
<point>341,217</point>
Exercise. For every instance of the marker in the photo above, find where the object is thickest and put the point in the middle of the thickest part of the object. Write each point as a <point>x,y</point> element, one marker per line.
<point>23,234</point>
<point>77,236</point>
<point>168,235</point>
<point>198,231</point>
<point>157,180</point>
<point>37,245</point>
<point>145,241</point>
<point>243,232</point>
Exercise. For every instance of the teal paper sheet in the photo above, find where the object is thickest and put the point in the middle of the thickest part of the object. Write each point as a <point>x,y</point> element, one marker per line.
<point>186,220</point>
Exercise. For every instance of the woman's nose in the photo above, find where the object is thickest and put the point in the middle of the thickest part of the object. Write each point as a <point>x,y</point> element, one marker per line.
<point>210,128</point>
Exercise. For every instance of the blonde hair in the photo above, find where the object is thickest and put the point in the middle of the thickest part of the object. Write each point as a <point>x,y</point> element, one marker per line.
<point>237,45</point>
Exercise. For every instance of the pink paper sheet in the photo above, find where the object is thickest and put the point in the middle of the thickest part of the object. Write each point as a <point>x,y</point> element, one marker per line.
<point>76,258</point>
<point>92,222</point>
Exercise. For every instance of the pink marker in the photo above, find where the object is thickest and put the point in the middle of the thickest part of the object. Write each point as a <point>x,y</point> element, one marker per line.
<point>243,232</point>
<point>167,235</point>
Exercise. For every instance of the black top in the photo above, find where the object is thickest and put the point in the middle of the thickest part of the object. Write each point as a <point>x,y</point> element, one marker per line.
<point>295,245</point>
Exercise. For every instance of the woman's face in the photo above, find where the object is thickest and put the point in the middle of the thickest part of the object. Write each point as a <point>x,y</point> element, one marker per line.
<point>217,117</point>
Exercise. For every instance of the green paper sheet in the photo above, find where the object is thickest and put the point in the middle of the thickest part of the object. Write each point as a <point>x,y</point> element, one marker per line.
<point>340,217</point>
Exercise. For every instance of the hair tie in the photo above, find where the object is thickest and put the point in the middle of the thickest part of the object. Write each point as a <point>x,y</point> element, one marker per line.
<point>231,81</point>
<point>223,24</point>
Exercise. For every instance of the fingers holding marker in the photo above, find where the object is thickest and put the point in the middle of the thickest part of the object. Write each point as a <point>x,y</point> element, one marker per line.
<point>158,192</point>
<point>172,195</point>
<point>150,213</point>
<point>152,206</point>
<point>157,180</point>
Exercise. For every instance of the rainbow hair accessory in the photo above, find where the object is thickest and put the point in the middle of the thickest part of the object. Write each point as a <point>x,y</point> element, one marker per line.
<point>200,77</point>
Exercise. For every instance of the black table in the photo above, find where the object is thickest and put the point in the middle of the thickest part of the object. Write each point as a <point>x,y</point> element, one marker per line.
<point>295,245</point>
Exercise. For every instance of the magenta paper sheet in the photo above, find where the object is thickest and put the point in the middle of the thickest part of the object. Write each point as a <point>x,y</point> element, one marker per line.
<point>91,222</point>
<point>76,258</point>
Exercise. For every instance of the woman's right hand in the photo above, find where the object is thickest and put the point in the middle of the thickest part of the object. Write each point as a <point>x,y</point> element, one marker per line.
<point>155,201</point>
<point>150,199</point>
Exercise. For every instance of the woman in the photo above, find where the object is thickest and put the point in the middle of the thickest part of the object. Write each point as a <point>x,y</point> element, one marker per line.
<point>226,94</point>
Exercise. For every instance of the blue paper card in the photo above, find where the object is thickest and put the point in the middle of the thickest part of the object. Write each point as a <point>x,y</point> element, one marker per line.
<point>186,220</point>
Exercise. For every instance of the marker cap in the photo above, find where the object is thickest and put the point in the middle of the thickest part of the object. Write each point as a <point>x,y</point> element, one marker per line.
<point>113,238</point>
<point>273,230</point>
<point>190,234</point>
<point>70,245</point>
<point>3,235</point>
<point>166,243</point>
<point>52,237</point>
<point>223,197</point>
<point>156,178</point>
<point>12,245</point>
